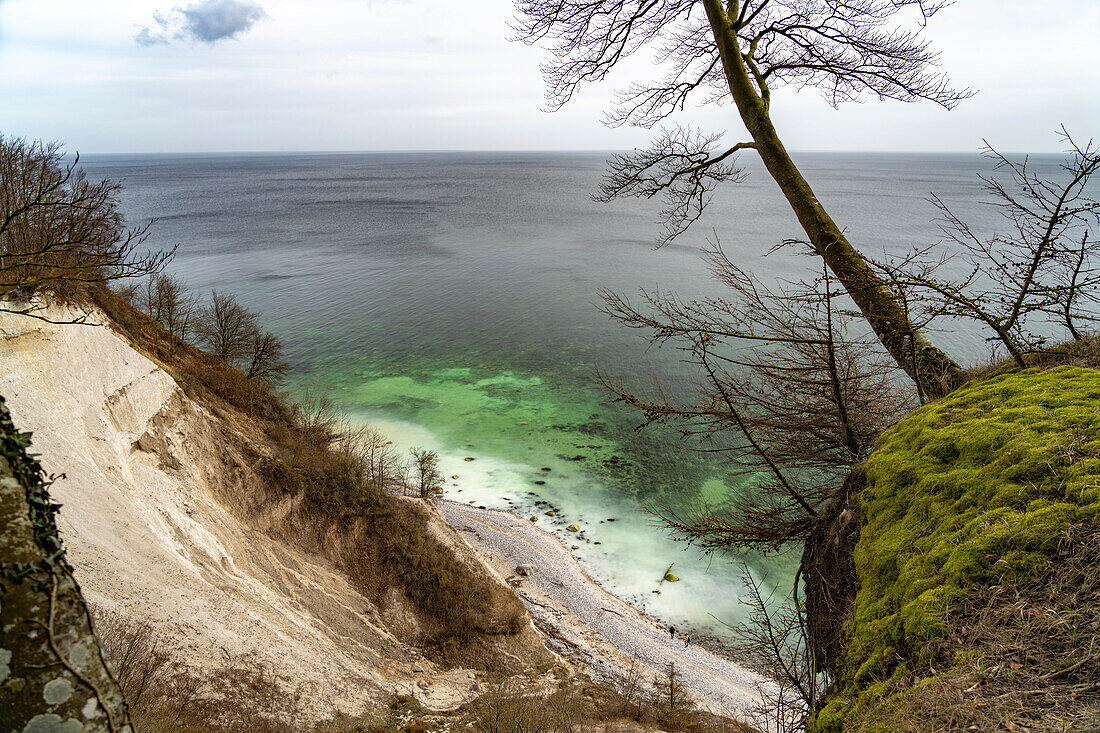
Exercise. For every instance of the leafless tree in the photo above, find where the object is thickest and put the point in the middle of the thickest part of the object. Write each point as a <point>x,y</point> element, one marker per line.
<point>787,393</point>
<point>264,361</point>
<point>670,701</point>
<point>1041,271</point>
<point>741,50</point>
<point>226,328</point>
<point>381,460</point>
<point>426,474</point>
<point>57,226</point>
<point>167,299</point>
<point>774,639</point>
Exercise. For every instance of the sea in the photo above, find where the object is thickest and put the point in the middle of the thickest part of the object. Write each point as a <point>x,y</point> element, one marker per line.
<point>449,299</point>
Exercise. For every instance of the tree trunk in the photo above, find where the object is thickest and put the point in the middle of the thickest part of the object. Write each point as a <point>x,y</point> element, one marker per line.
<point>52,674</point>
<point>934,371</point>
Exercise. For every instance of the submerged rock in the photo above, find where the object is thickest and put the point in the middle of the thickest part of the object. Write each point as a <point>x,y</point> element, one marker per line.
<point>573,528</point>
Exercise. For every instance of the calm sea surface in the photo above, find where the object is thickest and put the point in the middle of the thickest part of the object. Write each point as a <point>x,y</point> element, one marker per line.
<point>449,300</point>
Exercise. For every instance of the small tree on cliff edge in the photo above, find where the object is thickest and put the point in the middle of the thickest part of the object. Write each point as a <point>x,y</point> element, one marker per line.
<point>426,473</point>
<point>741,50</point>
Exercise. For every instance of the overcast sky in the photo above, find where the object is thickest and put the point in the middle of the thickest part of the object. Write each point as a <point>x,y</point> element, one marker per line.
<point>268,75</point>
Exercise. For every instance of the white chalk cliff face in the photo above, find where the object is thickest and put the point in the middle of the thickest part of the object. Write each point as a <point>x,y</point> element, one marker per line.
<point>147,496</point>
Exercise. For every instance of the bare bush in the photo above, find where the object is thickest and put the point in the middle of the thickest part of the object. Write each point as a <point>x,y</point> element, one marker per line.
<point>239,696</point>
<point>140,665</point>
<point>509,708</point>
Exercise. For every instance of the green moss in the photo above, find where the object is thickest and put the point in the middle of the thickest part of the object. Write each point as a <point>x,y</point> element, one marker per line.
<point>964,493</point>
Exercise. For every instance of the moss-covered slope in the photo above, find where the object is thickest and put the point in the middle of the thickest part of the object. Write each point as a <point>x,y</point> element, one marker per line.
<point>995,488</point>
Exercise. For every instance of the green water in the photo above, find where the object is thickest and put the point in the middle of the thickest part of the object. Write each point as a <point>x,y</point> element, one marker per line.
<point>514,425</point>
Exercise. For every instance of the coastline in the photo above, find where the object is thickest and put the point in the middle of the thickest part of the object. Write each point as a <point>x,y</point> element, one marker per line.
<point>583,622</point>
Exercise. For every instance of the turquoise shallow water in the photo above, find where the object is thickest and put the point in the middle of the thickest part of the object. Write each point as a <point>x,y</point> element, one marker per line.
<point>448,299</point>
<point>540,445</point>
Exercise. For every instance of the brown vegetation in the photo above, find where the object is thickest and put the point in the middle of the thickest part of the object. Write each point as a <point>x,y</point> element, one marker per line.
<point>1021,656</point>
<point>57,227</point>
<point>557,704</point>
<point>236,695</point>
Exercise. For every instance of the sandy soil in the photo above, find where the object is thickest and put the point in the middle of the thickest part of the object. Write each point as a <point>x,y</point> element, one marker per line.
<point>588,624</point>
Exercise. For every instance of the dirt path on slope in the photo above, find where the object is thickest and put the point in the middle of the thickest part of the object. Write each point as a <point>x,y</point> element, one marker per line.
<point>586,623</point>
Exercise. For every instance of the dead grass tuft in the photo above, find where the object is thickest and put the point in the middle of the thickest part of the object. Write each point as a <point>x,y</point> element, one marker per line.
<point>1084,353</point>
<point>1021,657</point>
<point>238,696</point>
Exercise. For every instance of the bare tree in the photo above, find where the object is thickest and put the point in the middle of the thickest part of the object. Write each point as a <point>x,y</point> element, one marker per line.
<point>670,700</point>
<point>381,460</point>
<point>786,393</point>
<point>167,299</point>
<point>264,361</point>
<point>316,416</point>
<point>1042,270</point>
<point>773,638</point>
<point>57,226</point>
<point>426,474</point>
<point>226,328</point>
<point>264,365</point>
<point>741,50</point>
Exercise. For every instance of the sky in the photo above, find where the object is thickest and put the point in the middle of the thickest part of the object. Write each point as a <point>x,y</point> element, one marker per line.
<point>122,76</point>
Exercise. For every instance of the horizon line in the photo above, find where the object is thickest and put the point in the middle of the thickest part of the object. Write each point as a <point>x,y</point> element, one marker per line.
<point>574,151</point>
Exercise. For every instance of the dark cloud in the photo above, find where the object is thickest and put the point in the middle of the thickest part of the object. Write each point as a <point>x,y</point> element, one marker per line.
<point>214,20</point>
<point>208,21</point>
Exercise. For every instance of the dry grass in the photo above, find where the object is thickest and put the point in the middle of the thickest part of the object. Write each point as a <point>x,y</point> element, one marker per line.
<point>561,704</point>
<point>1084,353</point>
<point>238,696</point>
<point>1021,657</point>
